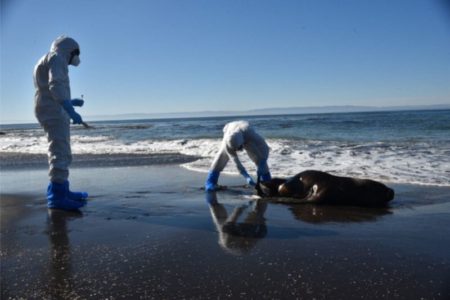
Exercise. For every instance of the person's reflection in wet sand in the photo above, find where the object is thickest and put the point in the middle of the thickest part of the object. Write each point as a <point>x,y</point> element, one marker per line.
<point>238,237</point>
<point>313,213</point>
<point>60,279</point>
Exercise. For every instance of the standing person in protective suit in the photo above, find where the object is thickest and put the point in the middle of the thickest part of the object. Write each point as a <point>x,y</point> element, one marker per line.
<point>237,136</point>
<point>54,109</point>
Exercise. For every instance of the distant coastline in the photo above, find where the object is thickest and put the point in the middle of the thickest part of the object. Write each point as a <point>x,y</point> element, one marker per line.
<point>297,110</point>
<point>269,111</point>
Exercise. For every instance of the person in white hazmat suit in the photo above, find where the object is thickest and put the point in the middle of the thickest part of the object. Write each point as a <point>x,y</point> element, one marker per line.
<point>54,109</point>
<point>237,136</point>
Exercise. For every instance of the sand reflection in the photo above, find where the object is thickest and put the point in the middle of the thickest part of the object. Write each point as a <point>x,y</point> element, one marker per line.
<point>60,266</point>
<point>240,230</point>
<point>313,213</point>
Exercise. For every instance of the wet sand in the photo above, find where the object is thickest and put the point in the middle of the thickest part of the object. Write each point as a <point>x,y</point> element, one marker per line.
<point>25,161</point>
<point>149,233</point>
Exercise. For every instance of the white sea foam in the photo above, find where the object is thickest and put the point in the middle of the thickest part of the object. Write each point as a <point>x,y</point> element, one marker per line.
<point>376,161</point>
<point>416,163</point>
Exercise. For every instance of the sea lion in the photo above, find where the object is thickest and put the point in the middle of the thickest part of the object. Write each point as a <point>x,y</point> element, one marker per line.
<point>320,187</point>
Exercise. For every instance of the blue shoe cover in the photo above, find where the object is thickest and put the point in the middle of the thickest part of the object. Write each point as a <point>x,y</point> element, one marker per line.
<point>75,195</point>
<point>57,197</point>
<point>211,181</point>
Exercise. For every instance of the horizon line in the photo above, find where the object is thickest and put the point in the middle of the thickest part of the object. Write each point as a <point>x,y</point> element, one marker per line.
<point>252,112</point>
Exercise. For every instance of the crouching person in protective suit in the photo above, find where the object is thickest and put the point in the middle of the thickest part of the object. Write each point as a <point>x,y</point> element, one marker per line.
<point>238,136</point>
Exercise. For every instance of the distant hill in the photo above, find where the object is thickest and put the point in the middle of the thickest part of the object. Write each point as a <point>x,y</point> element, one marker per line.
<point>254,112</point>
<point>270,111</point>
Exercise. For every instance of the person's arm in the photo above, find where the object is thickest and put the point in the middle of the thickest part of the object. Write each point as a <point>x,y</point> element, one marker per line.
<point>58,79</point>
<point>58,83</point>
<point>233,155</point>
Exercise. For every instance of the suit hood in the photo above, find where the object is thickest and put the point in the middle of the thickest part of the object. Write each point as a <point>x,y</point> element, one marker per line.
<point>64,46</point>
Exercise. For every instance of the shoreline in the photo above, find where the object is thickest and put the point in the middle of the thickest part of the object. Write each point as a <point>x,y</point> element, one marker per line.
<point>11,161</point>
<point>149,232</point>
<point>16,161</point>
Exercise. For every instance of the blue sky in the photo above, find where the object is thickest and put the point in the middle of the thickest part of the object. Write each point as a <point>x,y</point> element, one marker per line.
<point>192,55</point>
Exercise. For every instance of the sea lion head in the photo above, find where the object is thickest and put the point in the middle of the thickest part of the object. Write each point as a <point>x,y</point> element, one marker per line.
<point>269,188</point>
<point>293,187</point>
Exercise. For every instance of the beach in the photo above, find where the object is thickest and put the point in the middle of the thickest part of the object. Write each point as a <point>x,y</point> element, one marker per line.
<point>150,232</point>
<point>230,150</point>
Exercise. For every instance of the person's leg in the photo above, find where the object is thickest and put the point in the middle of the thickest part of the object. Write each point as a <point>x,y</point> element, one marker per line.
<point>219,163</point>
<point>59,151</point>
<point>59,158</point>
<point>60,155</point>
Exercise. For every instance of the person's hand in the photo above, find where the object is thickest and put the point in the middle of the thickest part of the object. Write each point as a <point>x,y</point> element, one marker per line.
<point>250,181</point>
<point>77,102</point>
<point>68,107</point>
<point>265,177</point>
<point>248,178</point>
<point>76,118</point>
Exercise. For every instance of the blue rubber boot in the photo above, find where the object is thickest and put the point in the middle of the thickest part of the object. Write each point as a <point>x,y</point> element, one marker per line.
<point>57,197</point>
<point>211,181</point>
<point>75,195</point>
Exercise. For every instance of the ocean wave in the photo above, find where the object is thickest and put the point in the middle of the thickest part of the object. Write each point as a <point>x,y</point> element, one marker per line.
<point>417,162</point>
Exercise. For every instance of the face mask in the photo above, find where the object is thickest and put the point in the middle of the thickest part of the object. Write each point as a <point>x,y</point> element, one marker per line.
<point>75,61</point>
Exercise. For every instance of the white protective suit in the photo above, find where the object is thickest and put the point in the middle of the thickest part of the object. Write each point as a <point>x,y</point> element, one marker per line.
<point>239,135</point>
<point>51,81</point>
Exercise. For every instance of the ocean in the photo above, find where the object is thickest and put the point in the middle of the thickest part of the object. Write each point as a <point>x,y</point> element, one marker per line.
<point>393,147</point>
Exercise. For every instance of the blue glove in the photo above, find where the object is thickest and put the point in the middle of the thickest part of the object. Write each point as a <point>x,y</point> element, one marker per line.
<point>265,177</point>
<point>77,102</point>
<point>211,181</point>
<point>250,181</point>
<point>68,107</point>
<point>248,178</point>
<point>263,172</point>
